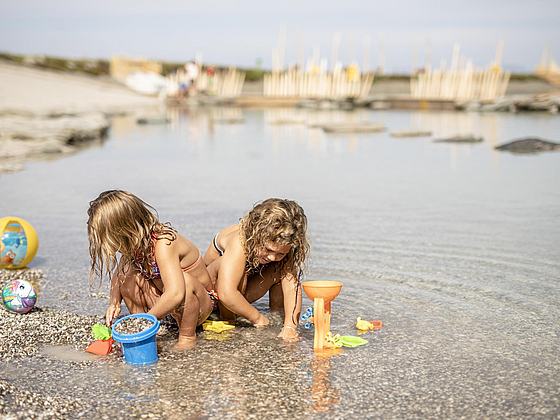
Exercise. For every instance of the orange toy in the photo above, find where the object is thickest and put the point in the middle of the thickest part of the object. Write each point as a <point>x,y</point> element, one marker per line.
<point>322,293</point>
<point>104,342</point>
<point>101,347</point>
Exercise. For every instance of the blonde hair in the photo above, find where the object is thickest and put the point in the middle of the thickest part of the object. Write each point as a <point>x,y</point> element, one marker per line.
<point>281,222</point>
<point>120,222</point>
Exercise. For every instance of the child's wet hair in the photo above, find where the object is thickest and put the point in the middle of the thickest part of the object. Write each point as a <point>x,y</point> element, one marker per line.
<point>120,222</point>
<point>277,221</point>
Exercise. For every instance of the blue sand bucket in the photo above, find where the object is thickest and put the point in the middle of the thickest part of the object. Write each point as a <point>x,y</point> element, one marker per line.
<point>141,348</point>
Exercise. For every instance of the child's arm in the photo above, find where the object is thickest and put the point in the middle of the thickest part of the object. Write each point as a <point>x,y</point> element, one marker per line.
<point>167,258</point>
<point>292,307</point>
<point>114,302</point>
<point>230,276</point>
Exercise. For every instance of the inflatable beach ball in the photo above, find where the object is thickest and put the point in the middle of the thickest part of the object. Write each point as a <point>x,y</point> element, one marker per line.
<point>19,296</point>
<point>19,242</point>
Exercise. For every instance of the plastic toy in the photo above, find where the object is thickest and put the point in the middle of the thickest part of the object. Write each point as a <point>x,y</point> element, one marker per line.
<point>308,318</point>
<point>139,348</point>
<point>368,325</point>
<point>332,341</point>
<point>19,296</point>
<point>351,341</point>
<point>18,244</point>
<point>216,326</point>
<point>337,341</point>
<point>104,343</point>
<point>322,293</point>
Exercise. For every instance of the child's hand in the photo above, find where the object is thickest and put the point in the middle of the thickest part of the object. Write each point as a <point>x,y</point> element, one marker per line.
<point>112,312</point>
<point>262,321</point>
<point>289,334</point>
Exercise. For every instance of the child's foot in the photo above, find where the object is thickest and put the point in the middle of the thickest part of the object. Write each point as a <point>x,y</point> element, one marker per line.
<point>184,343</point>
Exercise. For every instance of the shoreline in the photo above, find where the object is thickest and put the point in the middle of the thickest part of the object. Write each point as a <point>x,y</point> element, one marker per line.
<point>45,113</point>
<point>48,113</point>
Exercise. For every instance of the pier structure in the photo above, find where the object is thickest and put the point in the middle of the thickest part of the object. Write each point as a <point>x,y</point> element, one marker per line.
<point>314,80</point>
<point>462,81</point>
<point>548,69</point>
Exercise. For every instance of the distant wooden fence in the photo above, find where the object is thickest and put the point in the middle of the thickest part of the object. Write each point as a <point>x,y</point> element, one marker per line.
<point>548,69</point>
<point>317,85</point>
<point>485,85</point>
<point>462,81</point>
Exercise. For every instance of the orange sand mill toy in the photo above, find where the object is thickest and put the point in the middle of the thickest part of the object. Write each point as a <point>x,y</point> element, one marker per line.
<point>322,292</point>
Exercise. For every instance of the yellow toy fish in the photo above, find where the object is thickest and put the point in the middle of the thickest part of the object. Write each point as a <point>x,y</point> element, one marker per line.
<point>363,325</point>
<point>368,325</point>
<point>216,326</point>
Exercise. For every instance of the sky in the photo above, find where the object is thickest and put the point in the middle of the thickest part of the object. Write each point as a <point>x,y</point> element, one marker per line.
<point>238,33</point>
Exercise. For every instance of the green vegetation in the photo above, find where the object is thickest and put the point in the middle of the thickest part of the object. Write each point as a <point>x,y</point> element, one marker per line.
<point>92,67</point>
<point>524,77</point>
<point>167,67</point>
<point>252,75</point>
<point>101,67</point>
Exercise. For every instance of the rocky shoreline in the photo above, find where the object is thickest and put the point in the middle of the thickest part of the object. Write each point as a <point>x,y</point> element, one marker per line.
<point>45,113</point>
<point>24,137</point>
<point>516,103</point>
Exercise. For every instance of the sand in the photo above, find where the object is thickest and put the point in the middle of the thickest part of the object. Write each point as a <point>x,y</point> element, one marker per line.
<point>26,90</point>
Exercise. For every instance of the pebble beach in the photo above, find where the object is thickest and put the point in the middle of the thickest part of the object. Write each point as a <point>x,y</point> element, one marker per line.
<point>22,335</point>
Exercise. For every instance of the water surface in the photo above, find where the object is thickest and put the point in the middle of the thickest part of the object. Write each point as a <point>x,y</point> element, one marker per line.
<point>455,247</point>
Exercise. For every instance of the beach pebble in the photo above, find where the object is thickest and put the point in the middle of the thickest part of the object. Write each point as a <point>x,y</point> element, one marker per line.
<point>133,325</point>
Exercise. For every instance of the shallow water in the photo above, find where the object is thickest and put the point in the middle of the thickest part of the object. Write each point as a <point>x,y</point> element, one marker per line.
<point>456,248</point>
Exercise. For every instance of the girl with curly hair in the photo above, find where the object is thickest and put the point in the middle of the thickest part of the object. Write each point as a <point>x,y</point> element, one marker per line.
<point>266,252</point>
<point>160,271</point>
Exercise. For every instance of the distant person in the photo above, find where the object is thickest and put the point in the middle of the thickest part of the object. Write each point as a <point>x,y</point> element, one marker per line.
<point>266,252</point>
<point>160,271</point>
<point>192,71</point>
<point>210,72</point>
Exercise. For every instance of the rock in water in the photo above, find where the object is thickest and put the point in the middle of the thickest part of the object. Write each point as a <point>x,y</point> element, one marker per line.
<point>529,145</point>
<point>364,127</point>
<point>152,120</point>
<point>469,138</point>
<point>411,133</point>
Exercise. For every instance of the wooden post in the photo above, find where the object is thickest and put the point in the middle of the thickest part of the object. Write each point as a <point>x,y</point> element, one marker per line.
<point>299,41</point>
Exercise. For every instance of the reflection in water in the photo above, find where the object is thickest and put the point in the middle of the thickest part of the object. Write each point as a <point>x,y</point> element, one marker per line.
<point>323,395</point>
<point>287,127</point>
<point>448,123</point>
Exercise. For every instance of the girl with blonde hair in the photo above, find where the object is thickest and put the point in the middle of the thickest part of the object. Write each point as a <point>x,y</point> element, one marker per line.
<point>266,251</point>
<point>159,271</point>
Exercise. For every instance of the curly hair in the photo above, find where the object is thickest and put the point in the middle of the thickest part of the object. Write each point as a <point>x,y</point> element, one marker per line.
<point>281,222</point>
<point>120,222</point>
